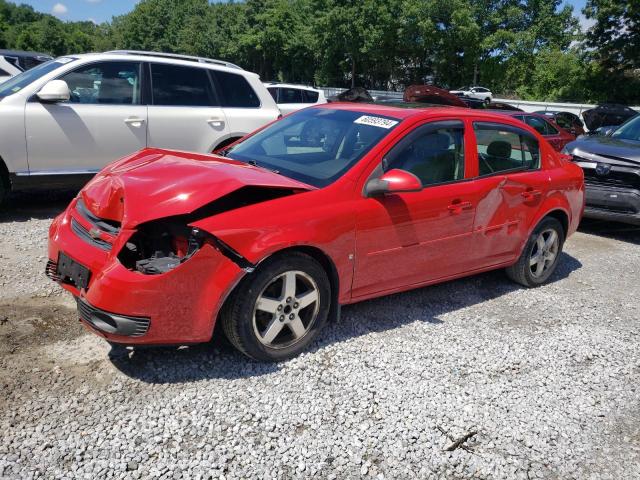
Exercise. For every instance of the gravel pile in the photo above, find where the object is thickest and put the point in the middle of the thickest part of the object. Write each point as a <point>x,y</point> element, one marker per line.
<point>543,384</point>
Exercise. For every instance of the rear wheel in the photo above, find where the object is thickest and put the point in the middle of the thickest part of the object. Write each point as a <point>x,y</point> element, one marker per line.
<point>276,312</point>
<point>487,100</point>
<point>540,256</point>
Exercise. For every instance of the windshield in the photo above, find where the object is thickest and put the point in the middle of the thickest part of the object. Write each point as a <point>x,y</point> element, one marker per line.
<point>314,146</point>
<point>17,83</point>
<point>630,130</point>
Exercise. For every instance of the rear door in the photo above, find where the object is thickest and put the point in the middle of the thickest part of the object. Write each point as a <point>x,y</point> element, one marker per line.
<point>184,112</point>
<point>241,104</point>
<point>511,187</point>
<point>411,238</point>
<point>103,120</point>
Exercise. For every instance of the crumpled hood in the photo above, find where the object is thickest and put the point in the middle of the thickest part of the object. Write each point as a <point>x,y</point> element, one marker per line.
<point>610,148</point>
<point>155,183</point>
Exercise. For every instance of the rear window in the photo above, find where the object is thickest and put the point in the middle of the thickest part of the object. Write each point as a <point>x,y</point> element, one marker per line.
<point>235,91</point>
<point>181,86</point>
<point>310,96</point>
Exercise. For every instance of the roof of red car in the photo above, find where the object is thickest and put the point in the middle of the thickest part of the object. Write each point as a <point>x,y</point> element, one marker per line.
<point>392,111</point>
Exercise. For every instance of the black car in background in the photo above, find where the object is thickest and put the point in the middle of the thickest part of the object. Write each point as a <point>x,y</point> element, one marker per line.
<point>611,165</point>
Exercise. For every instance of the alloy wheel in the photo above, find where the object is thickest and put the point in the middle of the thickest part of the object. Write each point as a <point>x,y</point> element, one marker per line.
<point>544,252</point>
<point>286,309</point>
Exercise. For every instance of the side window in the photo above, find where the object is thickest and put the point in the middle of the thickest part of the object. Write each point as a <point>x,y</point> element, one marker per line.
<point>274,93</point>
<point>4,74</point>
<point>111,83</point>
<point>310,96</point>
<point>290,95</point>
<point>542,127</point>
<point>235,91</point>
<point>564,122</point>
<point>174,85</point>
<point>504,148</point>
<point>434,155</point>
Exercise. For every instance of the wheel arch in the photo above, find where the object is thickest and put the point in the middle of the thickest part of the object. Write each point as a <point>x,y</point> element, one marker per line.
<point>329,267</point>
<point>226,140</point>
<point>560,215</point>
<point>4,175</point>
<point>319,256</point>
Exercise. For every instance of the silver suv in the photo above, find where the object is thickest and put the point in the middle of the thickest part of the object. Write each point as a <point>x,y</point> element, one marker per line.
<point>66,119</point>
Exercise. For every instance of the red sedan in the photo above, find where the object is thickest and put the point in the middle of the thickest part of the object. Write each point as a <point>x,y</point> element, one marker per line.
<point>328,206</point>
<point>546,126</point>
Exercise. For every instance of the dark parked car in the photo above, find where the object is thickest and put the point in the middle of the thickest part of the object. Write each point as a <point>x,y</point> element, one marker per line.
<point>611,165</point>
<point>567,120</point>
<point>607,115</point>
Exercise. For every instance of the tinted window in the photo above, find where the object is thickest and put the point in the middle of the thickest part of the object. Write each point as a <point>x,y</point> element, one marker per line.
<point>235,91</point>
<point>181,86</point>
<point>113,83</point>
<point>541,126</point>
<point>274,93</point>
<point>315,146</point>
<point>435,156</point>
<point>563,121</point>
<point>503,148</point>
<point>4,74</point>
<point>23,79</point>
<point>310,96</point>
<point>290,95</point>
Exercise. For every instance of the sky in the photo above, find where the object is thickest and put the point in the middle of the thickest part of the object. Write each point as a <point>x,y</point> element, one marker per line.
<point>103,10</point>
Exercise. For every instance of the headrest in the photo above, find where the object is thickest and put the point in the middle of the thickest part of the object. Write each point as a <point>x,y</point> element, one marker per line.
<point>500,149</point>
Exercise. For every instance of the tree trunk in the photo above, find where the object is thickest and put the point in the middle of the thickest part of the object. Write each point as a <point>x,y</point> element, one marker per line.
<point>353,71</point>
<point>475,73</point>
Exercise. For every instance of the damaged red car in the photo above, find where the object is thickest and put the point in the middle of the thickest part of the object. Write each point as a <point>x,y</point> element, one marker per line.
<point>328,206</point>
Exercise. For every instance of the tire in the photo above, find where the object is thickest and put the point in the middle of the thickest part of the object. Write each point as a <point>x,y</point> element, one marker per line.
<point>530,274</point>
<point>265,317</point>
<point>487,100</point>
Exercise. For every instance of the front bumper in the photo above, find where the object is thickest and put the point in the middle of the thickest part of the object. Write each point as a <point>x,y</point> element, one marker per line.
<point>611,203</point>
<point>128,307</point>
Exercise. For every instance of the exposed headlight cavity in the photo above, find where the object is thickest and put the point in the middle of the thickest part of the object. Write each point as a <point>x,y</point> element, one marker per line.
<point>160,246</point>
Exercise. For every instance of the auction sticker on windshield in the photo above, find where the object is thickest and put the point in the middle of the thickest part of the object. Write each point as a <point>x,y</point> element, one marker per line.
<point>376,121</point>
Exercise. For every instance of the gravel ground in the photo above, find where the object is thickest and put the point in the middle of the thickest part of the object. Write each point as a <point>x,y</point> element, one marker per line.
<point>544,382</point>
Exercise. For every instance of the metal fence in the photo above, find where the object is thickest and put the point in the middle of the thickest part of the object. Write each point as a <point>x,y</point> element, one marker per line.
<point>525,105</point>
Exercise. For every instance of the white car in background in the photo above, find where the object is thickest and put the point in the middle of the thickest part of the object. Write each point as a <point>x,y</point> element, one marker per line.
<point>66,119</point>
<point>13,62</point>
<point>479,93</point>
<point>290,97</point>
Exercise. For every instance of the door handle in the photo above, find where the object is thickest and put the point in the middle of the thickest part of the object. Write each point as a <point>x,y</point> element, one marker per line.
<point>457,206</point>
<point>135,121</point>
<point>529,194</point>
<point>215,122</point>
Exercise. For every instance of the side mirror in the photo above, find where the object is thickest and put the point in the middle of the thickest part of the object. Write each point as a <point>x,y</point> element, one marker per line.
<point>393,181</point>
<point>54,91</point>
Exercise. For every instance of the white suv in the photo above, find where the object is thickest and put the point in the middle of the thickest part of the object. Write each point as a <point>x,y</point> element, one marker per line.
<point>66,119</point>
<point>479,93</point>
<point>294,97</point>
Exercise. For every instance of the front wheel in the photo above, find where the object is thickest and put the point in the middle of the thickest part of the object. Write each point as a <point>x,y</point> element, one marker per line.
<point>487,100</point>
<point>539,258</point>
<point>277,311</point>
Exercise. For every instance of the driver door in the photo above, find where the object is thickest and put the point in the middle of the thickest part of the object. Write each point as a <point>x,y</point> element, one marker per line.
<point>103,121</point>
<point>408,239</point>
